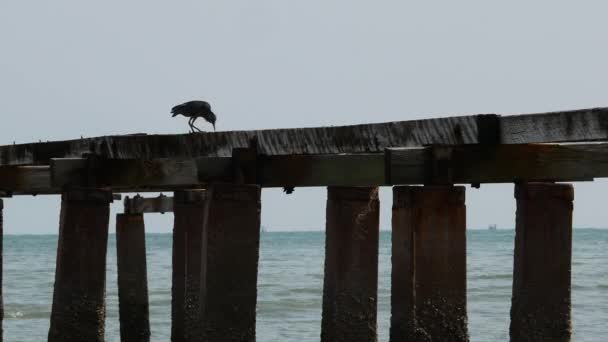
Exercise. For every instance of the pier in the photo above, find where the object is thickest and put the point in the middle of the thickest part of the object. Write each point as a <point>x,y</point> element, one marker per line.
<point>216,180</point>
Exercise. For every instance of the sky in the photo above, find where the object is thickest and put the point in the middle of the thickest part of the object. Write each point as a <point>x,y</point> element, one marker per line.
<point>70,68</point>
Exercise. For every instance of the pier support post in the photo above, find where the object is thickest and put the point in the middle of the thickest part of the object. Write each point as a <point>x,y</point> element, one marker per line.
<point>428,281</point>
<point>1,270</point>
<point>178,275</point>
<point>231,242</point>
<point>540,308</point>
<point>350,287</point>
<point>78,311</point>
<point>189,210</point>
<point>132,278</point>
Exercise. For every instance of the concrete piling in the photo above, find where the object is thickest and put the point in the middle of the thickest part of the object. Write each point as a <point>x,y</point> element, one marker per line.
<point>189,210</point>
<point>78,310</point>
<point>428,282</point>
<point>540,308</point>
<point>350,287</point>
<point>178,276</point>
<point>132,278</point>
<point>231,241</point>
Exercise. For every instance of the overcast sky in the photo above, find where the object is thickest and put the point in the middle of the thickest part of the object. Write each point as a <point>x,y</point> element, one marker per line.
<point>72,68</point>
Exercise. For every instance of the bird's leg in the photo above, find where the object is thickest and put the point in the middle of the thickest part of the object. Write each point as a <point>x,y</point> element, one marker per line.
<point>190,121</point>
<point>196,117</point>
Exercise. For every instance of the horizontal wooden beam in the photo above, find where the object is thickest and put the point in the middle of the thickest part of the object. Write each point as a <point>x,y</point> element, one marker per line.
<point>31,179</point>
<point>463,164</point>
<point>566,126</point>
<point>140,205</point>
<point>477,164</point>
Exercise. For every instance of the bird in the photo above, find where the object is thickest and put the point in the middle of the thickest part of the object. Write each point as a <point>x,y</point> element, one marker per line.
<point>195,110</point>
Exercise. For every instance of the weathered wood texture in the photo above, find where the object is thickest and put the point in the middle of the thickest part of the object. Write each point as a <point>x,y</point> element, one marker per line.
<point>32,179</point>
<point>541,306</point>
<point>139,205</point>
<point>498,164</point>
<point>425,165</point>
<point>350,286</point>
<point>319,140</point>
<point>428,278</point>
<point>578,125</point>
<point>231,244</point>
<point>132,278</point>
<point>1,269</point>
<point>78,311</point>
<point>189,211</point>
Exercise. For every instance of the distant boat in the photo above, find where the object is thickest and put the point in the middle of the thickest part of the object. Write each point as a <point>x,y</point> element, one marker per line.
<point>263,229</point>
<point>492,227</point>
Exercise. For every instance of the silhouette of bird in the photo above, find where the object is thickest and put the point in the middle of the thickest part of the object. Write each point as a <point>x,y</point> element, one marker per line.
<point>195,110</point>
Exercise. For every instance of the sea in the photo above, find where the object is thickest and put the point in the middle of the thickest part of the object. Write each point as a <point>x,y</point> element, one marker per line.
<point>290,284</point>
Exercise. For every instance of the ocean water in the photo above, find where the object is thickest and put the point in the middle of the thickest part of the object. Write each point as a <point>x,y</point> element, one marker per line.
<point>290,285</point>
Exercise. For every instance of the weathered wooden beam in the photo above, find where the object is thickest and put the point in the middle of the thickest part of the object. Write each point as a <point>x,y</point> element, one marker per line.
<point>322,170</point>
<point>139,205</point>
<point>565,126</point>
<point>117,173</point>
<point>463,164</point>
<point>498,163</point>
<point>30,179</point>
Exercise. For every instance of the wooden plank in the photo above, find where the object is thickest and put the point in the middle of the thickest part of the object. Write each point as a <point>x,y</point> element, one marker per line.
<point>565,126</point>
<point>139,205</point>
<point>320,140</point>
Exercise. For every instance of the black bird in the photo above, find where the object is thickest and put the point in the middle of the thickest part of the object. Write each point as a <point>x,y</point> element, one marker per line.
<point>195,110</point>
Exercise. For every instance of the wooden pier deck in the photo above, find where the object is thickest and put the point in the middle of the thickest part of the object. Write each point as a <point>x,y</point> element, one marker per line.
<point>217,180</point>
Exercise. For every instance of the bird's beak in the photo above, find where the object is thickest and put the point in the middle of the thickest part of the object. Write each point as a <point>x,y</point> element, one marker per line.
<point>174,115</point>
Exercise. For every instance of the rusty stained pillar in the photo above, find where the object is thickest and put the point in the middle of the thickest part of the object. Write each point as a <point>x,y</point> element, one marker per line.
<point>350,287</point>
<point>231,242</point>
<point>428,280</point>
<point>189,210</point>
<point>78,310</point>
<point>132,278</point>
<point>540,307</point>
